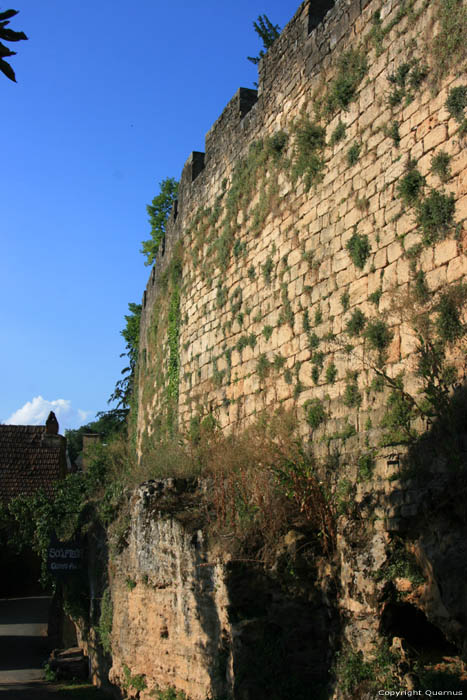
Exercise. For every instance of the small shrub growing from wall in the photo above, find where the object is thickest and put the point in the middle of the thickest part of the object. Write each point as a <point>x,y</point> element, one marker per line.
<point>440,166</point>
<point>310,140</point>
<point>435,215</point>
<point>353,154</point>
<point>351,69</point>
<point>410,186</point>
<point>315,413</point>
<point>356,323</point>
<point>358,248</point>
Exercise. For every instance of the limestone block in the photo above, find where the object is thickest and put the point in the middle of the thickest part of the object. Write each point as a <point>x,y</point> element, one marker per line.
<point>457,269</point>
<point>390,276</point>
<point>444,251</point>
<point>358,291</point>
<point>435,137</point>
<point>394,251</point>
<point>436,278</point>
<point>461,208</point>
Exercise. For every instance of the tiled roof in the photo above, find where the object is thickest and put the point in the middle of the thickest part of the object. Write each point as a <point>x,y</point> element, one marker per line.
<point>27,460</point>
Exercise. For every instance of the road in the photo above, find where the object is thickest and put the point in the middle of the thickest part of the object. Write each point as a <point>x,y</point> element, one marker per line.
<point>24,648</point>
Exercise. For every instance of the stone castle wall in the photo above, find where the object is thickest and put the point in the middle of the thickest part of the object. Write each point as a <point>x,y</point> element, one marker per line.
<point>268,285</point>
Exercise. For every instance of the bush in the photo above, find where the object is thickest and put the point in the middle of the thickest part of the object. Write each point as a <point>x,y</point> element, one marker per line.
<point>104,629</point>
<point>435,215</point>
<point>331,373</point>
<point>263,366</point>
<point>352,396</point>
<point>440,165</point>
<point>457,102</point>
<point>366,464</point>
<point>310,140</point>
<point>315,413</point>
<point>448,323</point>
<point>356,323</point>
<point>358,248</point>
<point>353,154</point>
<point>410,186</point>
<point>276,144</point>
<point>338,134</point>
<point>345,300</point>
<point>351,69</point>
<point>378,334</point>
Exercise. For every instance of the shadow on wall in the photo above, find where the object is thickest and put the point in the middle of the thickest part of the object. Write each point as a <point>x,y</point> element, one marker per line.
<point>435,472</point>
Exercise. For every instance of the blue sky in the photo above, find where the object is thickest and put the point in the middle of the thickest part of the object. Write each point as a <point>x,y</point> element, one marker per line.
<point>111,98</point>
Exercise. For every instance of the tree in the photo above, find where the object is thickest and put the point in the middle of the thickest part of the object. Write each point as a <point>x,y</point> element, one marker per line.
<point>107,424</point>
<point>268,33</point>
<point>159,212</point>
<point>124,387</point>
<point>8,35</point>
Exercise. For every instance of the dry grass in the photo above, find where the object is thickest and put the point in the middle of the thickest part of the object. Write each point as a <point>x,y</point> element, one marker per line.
<point>261,479</point>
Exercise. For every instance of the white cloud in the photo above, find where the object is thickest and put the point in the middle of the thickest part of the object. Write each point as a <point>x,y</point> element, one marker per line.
<point>35,412</point>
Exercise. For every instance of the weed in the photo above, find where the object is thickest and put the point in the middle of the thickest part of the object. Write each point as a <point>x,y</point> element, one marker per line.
<point>398,418</point>
<point>49,674</point>
<point>242,343</point>
<point>352,396</point>
<point>408,75</point>
<point>435,215</point>
<point>313,341</point>
<point>315,413</point>
<point>353,154</point>
<point>331,373</point>
<point>287,313</point>
<point>356,323</point>
<point>345,300</point>
<point>104,628</point>
<point>418,75</point>
<point>410,186</point>
<point>362,203</point>
<point>251,273</point>
<point>421,291</point>
<point>267,332</point>
<point>318,316</point>
<point>309,144</point>
<point>351,69</point>
<point>169,693</point>
<point>378,334</point>
<point>239,248</point>
<point>401,564</point>
<point>375,296</point>
<point>457,102</point>
<point>221,295</point>
<point>358,248</point>
<point>276,144</point>
<point>236,301</point>
<point>338,134</point>
<point>342,496</point>
<point>392,131</point>
<point>267,269</point>
<point>288,377</point>
<point>449,46</point>
<point>279,361</point>
<point>366,464</point>
<point>449,325</point>
<point>306,321</point>
<point>138,681</point>
<point>440,166</point>
<point>262,367</point>
<point>130,583</point>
